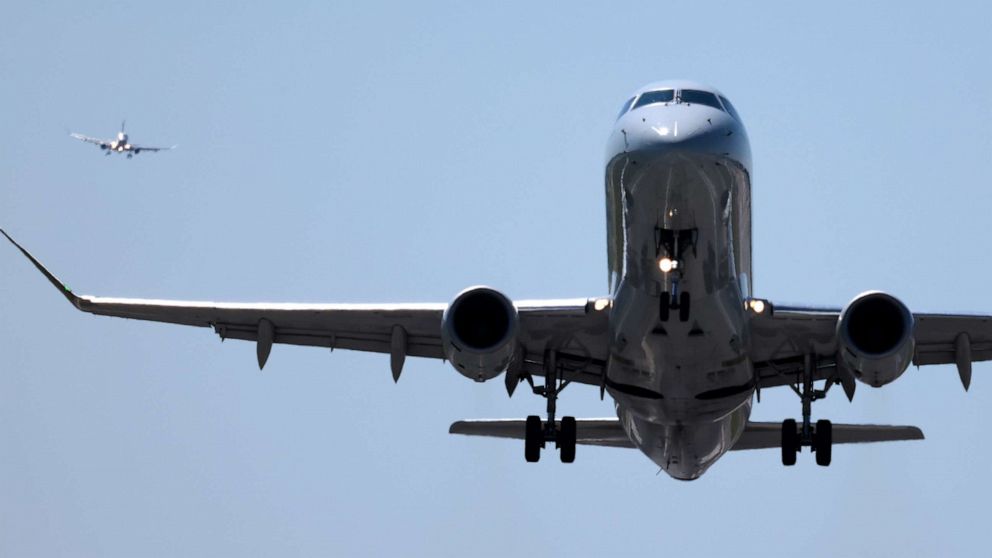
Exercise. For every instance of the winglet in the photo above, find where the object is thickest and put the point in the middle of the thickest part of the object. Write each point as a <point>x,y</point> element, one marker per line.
<point>62,287</point>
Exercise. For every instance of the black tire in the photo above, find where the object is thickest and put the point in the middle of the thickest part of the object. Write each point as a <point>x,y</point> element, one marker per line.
<point>566,439</point>
<point>823,440</point>
<point>684,302</point>
<point>790,442</point>
<point>664,307</point>
<point>533,439</point>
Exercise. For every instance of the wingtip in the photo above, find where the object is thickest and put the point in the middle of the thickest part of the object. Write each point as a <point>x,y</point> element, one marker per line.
<point>12,241</point>
<point>62,287</point>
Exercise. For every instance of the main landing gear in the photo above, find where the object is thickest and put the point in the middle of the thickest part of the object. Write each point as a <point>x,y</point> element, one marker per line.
<point>818,438</point>
<point>563,434</point>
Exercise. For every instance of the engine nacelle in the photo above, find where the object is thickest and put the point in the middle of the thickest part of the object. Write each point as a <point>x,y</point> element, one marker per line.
<point>875,337</point>
<point>479,333</point>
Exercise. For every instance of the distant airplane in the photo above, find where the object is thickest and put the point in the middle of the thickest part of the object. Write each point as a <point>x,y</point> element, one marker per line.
<point>118,145</point>
<point>681,344</point>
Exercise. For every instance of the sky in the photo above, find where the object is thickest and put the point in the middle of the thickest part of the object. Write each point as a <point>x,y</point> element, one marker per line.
<point>399,152</point>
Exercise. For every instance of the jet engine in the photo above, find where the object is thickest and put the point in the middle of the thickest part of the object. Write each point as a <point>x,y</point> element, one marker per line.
<point>479,333</point>
<point>875,337</point>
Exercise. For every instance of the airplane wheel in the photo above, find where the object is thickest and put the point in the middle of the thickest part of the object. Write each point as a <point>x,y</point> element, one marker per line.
<point>566,439</point>
<point>684,307</point>
<point>533,439</point>
<point>664,307</point>
<point>790,442</point>
<point>823,439</point>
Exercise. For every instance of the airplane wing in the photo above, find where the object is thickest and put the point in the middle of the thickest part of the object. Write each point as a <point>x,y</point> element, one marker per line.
<point>780,337</point>
<point>139,148</point>
<point>605,432</point>
<point>103,144</point>
<point>766,435</point>
<point>757,435</point>
<point>573,327</point>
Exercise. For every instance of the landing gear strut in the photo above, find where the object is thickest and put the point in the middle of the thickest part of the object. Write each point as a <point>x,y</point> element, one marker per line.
<point>818,438</point>
<point>671,247</point>
<point>563,434</point>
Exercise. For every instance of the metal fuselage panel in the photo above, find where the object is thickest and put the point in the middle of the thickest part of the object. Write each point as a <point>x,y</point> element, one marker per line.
<point>682,389</point>
<point>120,142</point>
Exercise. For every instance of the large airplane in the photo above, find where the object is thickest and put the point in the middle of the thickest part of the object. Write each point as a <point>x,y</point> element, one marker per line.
<point>119,144</point>
<point>681,345</point>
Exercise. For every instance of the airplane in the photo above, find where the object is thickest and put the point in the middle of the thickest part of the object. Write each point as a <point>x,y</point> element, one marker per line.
<point>681,344</point>
<point>119,144</point>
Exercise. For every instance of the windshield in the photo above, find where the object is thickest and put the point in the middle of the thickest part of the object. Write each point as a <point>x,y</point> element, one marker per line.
<point>730,108</point>
<point>696,97</point>
<point>651,97</point>
<point>626,107</point>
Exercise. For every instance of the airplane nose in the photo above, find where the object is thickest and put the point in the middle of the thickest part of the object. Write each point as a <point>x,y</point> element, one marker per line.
<point>667,128</point>
<point>665,131</point>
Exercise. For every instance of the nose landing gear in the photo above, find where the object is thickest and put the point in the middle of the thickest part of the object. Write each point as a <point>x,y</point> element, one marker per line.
<point>819,437</point>
<point>671,247</point>
<point>674,301</point>
<point>563,433</point>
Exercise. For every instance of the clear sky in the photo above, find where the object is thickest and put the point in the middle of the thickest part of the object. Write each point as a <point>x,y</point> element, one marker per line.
<point>401,152</point>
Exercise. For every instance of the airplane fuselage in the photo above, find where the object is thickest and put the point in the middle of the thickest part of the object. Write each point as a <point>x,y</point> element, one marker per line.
<point>678,187</point>
<point>120,144</point>
<point>676,344</point>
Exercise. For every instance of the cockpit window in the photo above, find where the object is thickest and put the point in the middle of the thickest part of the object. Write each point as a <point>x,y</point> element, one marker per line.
<point>626,107</point>
<point>651,97</point>
<point>696,97</point>
<point>730,108</point>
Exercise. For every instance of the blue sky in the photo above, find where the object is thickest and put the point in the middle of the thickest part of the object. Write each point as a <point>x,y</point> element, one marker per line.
<point>400,152</point>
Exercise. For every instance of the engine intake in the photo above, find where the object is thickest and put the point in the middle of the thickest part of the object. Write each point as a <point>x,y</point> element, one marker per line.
<point>875,337</point>
<point>479,333</point>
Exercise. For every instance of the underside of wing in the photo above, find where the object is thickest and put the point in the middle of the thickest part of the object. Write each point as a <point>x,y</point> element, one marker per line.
<point>939,338</point>
<point>781,339</point>
<point>757,435</point>
<point>767,435</point>
<point>139,148</point>
<point>97,141</point>
<point>573,328</point>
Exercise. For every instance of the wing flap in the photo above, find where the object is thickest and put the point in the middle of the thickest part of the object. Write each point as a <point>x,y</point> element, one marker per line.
<point>417,345</point>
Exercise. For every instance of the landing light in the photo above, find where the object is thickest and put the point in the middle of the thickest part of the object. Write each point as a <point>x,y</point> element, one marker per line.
<point>757,305</point>
<point>667,264</point>
<point>601,304</point>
